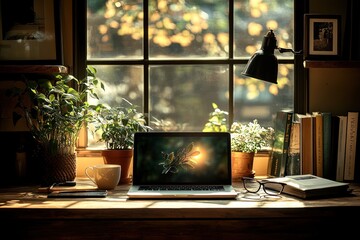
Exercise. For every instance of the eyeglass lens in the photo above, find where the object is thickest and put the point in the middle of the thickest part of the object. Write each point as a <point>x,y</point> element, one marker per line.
<point>253,186</point>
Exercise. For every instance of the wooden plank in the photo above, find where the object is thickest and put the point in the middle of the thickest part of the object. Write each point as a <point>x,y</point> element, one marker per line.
<point>331,64</point>
<point>296,228</point>
<point>40,69</point>
<point>116,217</point>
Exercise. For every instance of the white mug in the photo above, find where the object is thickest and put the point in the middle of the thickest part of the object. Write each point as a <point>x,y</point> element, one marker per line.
<point>105,176</point>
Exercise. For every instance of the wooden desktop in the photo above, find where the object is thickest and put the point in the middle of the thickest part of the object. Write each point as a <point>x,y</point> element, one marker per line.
<point>27,214</point>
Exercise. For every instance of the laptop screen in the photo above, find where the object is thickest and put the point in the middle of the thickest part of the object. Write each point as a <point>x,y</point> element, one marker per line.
<point>182,158</point>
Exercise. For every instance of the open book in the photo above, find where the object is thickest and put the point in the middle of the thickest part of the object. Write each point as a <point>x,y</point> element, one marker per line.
<point>310,186</point>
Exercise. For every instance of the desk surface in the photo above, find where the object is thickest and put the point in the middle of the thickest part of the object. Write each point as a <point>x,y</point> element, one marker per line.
<point>28,197</point>
<point>37,216</point>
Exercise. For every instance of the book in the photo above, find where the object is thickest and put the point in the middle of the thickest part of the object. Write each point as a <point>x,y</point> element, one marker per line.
<point>334,142</point>
<point>357,157</point>
<point>327,135</point>
<point>293,161</point>
<point>318,144</point>
<point>308,186</point>
<point>279,154</point>
<point>306,144</point>
<point>340,162</point>
<point>350,148</point>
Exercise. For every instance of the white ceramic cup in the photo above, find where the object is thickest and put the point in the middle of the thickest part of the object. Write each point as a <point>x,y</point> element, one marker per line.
<point>105,176</point>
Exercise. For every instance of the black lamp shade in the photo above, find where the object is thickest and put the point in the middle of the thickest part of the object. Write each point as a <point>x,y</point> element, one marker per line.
<point>263,66</point>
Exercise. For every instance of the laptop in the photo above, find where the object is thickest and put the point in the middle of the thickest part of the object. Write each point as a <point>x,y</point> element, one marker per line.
<point>182,165</point>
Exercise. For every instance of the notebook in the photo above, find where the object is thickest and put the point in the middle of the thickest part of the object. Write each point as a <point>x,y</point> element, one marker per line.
<point>182,165</point>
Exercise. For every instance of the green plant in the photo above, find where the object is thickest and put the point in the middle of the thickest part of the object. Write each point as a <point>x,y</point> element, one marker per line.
<point>55,109</point>
<point>165,125</point>
<point>217,120</point>
<point>250,137</point>
<point>117,125</point>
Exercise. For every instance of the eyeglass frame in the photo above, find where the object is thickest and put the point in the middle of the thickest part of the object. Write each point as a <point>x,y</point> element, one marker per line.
<point>261,184</point>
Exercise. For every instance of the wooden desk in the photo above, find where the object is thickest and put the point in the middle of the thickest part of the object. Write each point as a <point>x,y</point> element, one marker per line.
<point>26,214</point>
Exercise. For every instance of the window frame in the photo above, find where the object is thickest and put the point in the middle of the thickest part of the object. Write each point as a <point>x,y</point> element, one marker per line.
<point>80,59</point>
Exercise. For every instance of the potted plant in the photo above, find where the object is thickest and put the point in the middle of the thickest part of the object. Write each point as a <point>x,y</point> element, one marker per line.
<point>55,110</point>
<point>117,126</point>
<point>217,120</point>
<point>246,140</point>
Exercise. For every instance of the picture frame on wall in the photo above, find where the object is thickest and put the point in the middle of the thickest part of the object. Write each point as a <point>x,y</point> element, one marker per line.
<point>322,36</point>
<point>30,32</point>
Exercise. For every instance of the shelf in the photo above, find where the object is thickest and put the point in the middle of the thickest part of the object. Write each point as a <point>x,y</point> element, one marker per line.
<point>40,69</point>
<point>331,64</point>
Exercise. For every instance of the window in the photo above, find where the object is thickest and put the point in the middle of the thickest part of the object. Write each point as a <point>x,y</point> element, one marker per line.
<point>175,58</point>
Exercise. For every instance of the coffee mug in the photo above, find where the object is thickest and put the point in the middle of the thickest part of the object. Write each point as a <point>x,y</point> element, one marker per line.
<point>105,176</point>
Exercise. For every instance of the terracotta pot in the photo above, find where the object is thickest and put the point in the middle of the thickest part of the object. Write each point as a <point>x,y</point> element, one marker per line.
<point>123,158</point>
<point>242,165</point>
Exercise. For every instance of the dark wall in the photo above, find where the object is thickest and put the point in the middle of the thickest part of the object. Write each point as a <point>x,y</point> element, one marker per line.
<point>350,23</point>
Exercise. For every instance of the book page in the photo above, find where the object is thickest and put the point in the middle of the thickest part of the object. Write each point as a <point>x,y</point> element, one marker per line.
<point>308,182</point>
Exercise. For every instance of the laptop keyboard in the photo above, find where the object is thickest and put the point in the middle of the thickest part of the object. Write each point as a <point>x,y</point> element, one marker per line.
<point>182,188</point>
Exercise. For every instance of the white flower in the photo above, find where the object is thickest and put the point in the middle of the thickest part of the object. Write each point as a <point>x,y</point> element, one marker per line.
<point>250,137</point>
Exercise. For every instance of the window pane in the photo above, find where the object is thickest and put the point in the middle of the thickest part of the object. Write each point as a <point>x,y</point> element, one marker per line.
<point>260,99</point>
<point>183,95</point>
<point>253,19</point>
<point>188,29</point>
<point>114,29</point>
<point>120,82</point>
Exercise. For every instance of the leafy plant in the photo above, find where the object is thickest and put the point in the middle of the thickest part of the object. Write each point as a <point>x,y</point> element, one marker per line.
<point>56,109</point>
<point>183,158</point>
<point>250,137</point>
<point>117,125</point>
<point>167,125</point>
<point>217,120</point>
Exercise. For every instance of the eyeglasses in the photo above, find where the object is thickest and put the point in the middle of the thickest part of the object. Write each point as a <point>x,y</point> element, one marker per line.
<point>270,187</point>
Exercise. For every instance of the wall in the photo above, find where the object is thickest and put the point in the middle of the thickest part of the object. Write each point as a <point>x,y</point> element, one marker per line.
<point>335,89</point>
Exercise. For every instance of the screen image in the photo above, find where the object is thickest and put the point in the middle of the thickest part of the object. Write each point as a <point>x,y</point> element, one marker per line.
<point>182,159</point>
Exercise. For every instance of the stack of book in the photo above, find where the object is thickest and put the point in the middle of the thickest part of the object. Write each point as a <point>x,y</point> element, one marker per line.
<point>319,143</point>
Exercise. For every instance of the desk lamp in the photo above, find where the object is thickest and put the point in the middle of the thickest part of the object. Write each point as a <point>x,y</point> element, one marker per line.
<point>263,64</point>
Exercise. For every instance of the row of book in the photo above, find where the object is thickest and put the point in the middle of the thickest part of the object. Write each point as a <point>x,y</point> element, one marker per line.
<point>319,143</point>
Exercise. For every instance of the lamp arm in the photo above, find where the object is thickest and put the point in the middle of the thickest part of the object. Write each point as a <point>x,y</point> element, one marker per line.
<point>282,50</point>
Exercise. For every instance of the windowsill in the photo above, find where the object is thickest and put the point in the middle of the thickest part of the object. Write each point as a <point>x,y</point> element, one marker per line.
<point>88,152</point>
<point>88,157</point>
